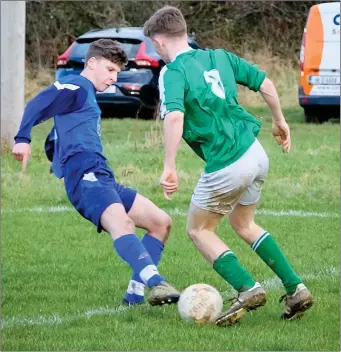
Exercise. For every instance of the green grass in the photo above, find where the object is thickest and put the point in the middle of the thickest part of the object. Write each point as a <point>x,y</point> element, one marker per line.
<point>56,268</point>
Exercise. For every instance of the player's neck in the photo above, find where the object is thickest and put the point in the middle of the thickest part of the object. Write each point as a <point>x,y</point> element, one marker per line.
<point>177,48</point>
<point>87,74</point>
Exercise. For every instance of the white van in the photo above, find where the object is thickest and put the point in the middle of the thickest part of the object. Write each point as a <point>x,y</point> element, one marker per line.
<point>319,87</point>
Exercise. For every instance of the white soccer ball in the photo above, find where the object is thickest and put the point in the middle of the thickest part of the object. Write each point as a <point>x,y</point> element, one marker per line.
<point>200,303</point>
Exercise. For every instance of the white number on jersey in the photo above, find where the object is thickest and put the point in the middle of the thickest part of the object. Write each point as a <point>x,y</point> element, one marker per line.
<point>217,86</point>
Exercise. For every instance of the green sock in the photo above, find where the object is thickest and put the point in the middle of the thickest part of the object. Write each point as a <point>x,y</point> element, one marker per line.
<point>267,248</point>
<point>228,267</point>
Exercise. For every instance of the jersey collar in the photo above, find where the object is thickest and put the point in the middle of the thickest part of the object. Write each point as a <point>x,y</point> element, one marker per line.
<point>182,52</point>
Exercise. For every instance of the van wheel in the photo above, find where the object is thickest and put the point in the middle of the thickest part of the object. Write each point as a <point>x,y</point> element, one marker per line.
<point>314,115</point>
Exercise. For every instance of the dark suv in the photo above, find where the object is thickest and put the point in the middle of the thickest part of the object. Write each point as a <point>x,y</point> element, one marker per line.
<point>142,69</point>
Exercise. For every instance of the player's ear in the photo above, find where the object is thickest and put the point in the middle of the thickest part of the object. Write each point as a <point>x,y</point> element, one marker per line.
<point>158,40</point>
<point>91,63</point>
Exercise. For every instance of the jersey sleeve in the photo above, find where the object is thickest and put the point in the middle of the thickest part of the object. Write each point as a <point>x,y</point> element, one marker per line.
<point>246,74</point>
<point>172,91</point>
<point>55,100</point>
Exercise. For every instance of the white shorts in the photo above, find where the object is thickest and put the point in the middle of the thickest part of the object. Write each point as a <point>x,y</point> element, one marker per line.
<point>240,182</point>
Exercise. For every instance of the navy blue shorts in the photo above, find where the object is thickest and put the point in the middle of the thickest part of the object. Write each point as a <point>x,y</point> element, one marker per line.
<point>91,187</point>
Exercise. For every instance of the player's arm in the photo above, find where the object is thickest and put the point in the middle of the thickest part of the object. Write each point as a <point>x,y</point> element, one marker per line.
<point>172,90</point>
<point>54,100</point>
<point>245,73</point>
<point>280,128</point>
<point>173,128</point>
<point>255,79</point>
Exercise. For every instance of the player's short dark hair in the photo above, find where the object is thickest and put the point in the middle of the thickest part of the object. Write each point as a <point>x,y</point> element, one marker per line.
<point>167,21</point>
<point>108,49</point>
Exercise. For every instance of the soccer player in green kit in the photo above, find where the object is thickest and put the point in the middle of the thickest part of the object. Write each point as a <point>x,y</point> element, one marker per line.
<point>198,93</point>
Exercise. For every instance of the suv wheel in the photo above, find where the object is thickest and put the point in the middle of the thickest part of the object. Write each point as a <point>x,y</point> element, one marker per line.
<point>315,115</point>
<point>145,114</point>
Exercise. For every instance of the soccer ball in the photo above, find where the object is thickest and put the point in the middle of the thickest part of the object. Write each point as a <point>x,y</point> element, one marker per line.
<point>200,303</point>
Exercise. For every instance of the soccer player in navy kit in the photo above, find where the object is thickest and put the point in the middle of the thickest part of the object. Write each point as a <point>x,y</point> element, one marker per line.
<point>89,182</point>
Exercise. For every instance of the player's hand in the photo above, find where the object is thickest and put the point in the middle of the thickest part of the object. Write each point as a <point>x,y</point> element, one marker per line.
<point>281,132</point>
<point>169,182</point>
<point>22,152</point>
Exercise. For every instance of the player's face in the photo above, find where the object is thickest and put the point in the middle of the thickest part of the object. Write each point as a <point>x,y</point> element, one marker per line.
<point>105,74</point>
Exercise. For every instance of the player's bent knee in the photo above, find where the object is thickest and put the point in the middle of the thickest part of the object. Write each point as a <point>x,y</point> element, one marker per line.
<point>165,225</point>
<point>128,225</point>
<point>166,222</point>
<point>161,227</point>
<point>193,233</point>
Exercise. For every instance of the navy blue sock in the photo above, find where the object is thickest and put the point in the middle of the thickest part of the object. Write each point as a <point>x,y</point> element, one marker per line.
<point>130,249</point>
<point>135,291</point>
<point>154,247</point>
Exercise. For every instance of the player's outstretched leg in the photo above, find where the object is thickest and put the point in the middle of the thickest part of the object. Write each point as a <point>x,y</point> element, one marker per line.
<point>146,215</point>
<point>297,298</point>
<point>136,287</point>
<point>129,247</point>
<point>200,228</point>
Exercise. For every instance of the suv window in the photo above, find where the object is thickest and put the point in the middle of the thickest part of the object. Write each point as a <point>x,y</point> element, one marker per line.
<point>149,48</point>
<point>130,46</point>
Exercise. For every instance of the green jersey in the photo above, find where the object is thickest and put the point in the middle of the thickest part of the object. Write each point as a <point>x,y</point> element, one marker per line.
<point>203,85</point>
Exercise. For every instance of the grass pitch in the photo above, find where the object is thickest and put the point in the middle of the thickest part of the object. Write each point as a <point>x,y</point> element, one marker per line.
<point>62,283</point>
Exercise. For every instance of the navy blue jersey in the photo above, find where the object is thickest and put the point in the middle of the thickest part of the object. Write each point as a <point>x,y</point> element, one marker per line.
<point>72,102</point>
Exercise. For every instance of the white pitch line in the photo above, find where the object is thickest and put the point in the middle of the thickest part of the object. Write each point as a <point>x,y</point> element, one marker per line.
<point>39,209</point>
<point>299,213</point>
<point>272,284</point>
<point>177,211</point>
<point>56,318</point>
<point>329,272</point>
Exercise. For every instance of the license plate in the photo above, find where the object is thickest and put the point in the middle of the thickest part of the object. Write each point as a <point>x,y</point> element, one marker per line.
<point>324,80</point>
<point>109,90</point>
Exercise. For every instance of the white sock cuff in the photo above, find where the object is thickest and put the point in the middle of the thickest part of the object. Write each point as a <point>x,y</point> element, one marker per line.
<point>259,240</point>
<point>136,288</point>
<point>148,272</point>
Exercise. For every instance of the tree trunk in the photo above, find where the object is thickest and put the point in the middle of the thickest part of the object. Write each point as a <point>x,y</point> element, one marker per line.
<point>12,69</point>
